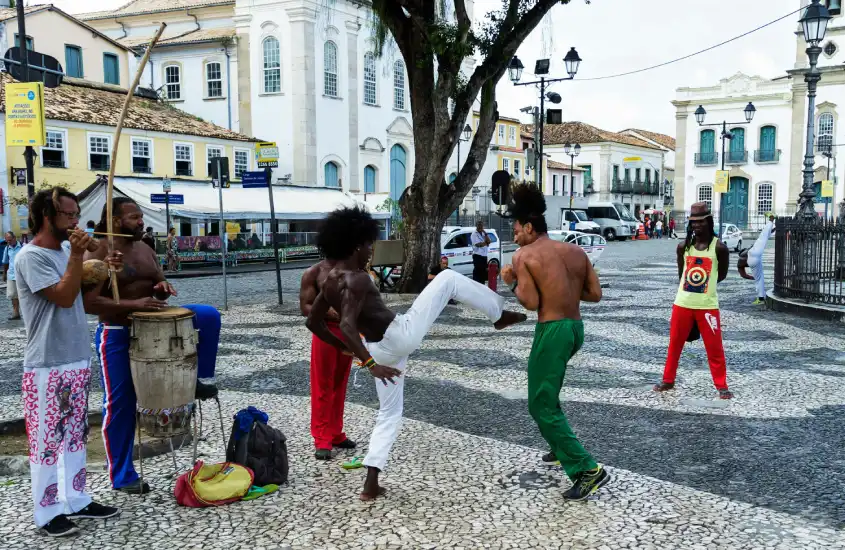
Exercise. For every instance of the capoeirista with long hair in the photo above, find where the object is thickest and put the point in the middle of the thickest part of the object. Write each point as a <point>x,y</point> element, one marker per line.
<point>344,230</point>
<point>117,204</point>
<point>529,206</point>
<point>711,226</point>
<point>46,203</point>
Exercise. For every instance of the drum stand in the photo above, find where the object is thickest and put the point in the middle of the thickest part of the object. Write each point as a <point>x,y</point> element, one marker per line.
<point>220,414</point>
<point>176,470</point>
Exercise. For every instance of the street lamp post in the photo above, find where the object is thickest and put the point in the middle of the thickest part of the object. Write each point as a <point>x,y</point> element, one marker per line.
<point>700,114</point>
<point>814,23</point>
<point>828,152</point>
<point>466,133</point>
<point>572,153</point>
<point>541,67</point>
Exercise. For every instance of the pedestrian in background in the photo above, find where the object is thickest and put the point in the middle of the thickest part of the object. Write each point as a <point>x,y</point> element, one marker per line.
<point>672,234</point>
<point>13,246</point>
<point>172,251</point>
<point>658,229</point>
<point>480,243</point>
<point>149,239</point>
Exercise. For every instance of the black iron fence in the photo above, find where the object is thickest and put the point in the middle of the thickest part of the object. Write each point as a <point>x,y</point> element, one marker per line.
<point>810,260</point>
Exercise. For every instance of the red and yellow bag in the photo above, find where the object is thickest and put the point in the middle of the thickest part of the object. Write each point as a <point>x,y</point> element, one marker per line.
<point>213,484</point>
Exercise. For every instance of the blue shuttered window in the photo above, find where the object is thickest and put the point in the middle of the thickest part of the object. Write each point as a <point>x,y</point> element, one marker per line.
<point>369,179</point>
<point>331,175</point>
<point>73,61</point>
<point>111,69</point>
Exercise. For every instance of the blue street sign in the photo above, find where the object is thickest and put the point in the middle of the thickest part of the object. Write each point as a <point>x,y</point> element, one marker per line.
<point>161,198</point>
<point>254,180</point>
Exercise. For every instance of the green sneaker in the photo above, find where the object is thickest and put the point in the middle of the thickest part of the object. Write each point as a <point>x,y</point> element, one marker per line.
<point>758,302</point>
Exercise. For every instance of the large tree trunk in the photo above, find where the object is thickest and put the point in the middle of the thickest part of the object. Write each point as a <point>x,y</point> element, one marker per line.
<point>433,51</point>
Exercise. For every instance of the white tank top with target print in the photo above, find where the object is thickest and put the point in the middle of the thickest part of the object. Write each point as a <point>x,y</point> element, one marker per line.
<point>697,289</point>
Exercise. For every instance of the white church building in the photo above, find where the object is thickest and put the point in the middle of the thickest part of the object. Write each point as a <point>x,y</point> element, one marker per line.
<point>302,73</point>
<point>765,158</point>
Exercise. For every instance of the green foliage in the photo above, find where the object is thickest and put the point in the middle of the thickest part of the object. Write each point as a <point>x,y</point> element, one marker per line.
<point>397,222</point>
<point>23,200</point>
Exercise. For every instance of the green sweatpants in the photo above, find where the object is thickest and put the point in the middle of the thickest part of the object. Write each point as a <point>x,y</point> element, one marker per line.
<point>555,343</point>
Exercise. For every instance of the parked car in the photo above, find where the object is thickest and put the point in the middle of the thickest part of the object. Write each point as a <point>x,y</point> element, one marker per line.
<point>732,237</point>
<point>615,220</point>
<point>593,245</point>
<point>455,244</point>
<point>581,222</point>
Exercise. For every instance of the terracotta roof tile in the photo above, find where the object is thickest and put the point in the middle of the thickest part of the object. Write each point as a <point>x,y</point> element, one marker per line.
<point>580,132</point>
<point>11,13</point>
<point>93,103</point>
<point>662,139</point>
<point>193,37</point>
<point>140,7</point>
<point>554,165</point>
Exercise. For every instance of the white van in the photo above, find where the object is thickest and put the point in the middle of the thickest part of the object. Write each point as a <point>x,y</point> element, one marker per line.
<point>615,220</point>
<point>580,220</point>
<point>455,244</point>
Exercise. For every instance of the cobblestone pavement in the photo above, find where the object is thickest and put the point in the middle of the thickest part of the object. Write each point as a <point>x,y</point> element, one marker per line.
<point>762,471</point>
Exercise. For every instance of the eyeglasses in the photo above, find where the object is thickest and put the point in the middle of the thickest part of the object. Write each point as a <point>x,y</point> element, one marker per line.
<point>70,215</point>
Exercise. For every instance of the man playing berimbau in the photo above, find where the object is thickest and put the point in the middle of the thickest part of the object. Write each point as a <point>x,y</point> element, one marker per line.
<point>142,287</point>
<point>346,237</point>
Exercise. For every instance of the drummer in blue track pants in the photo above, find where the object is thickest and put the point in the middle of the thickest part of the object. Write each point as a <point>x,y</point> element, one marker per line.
<point>142,287</point>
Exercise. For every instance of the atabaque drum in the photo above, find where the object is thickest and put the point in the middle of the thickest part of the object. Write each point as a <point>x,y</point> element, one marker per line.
<point>163,361</point>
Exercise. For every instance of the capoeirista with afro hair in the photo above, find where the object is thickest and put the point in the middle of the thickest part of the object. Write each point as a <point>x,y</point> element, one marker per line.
<point>529,206</point>
<point>344,230</point>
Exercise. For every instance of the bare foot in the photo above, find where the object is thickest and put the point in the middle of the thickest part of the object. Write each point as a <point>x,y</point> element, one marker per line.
<point>509,318</point>
<point>366,496</point>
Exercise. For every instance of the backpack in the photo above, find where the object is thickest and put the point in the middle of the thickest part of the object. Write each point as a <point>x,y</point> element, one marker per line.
<point>263,450</point>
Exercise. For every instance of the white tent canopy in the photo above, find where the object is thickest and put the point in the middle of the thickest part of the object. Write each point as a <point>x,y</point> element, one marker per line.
<point>201,201</point>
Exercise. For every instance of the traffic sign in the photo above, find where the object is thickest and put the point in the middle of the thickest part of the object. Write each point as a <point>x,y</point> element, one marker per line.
<point>161,198</point>
<point>267,154</point>
<point>254,180</point>
<point>165,185</point>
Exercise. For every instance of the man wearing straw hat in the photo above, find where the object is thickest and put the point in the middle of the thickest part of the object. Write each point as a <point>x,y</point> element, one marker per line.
<point>57,360</point>
<point>702,257</point>
<point>142,287</point>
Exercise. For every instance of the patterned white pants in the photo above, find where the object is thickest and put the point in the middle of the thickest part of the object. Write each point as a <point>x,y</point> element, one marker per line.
<point>55,405</point>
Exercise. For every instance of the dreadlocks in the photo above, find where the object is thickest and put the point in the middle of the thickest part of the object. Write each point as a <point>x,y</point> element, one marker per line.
<point>691,234</point>
<point>117,205</point>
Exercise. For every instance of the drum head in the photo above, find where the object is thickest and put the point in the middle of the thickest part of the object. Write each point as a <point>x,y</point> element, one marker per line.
<point>167,314</point>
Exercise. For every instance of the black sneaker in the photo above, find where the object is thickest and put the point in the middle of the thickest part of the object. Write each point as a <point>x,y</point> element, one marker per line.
<point>60,526</point>
<point>550,458</point>
<point>205,391</point>
<point>95,511</point>
<point>586,484</point>
<point>136,488</point>
<point>345,444</point>
<point>323,454</point>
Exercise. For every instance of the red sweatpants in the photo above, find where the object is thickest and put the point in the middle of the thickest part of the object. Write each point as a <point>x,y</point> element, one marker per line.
<point>329,375</point>
<point>710,326</point>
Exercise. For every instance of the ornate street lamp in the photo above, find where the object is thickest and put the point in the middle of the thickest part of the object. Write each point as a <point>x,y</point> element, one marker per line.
<point>572,61</point>
<point>814,22</point>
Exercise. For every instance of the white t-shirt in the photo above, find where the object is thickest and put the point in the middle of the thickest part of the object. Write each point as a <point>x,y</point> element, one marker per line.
<point>476,239</point>
<point>659,225</point>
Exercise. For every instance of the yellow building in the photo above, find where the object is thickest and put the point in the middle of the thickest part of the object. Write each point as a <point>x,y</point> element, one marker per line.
<point>157,141</point>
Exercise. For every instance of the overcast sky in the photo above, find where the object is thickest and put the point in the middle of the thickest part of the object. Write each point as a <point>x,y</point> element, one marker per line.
<point>614,36</point>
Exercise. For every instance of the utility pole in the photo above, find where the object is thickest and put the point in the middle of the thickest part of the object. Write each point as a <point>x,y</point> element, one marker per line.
<point>29,153</point>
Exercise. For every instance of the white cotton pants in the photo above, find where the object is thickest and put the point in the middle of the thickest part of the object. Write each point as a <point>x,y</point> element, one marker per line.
<point>755,259</point>
<point>404,336</point>
<point>55,404</point>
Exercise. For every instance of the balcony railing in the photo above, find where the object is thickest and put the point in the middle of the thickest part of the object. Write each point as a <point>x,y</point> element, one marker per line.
<point>669,199</point>
<point>706,159</point>
<point>763,156</point>
<point>625,187</point>
<point>646,188</point>
<point>736,157</point>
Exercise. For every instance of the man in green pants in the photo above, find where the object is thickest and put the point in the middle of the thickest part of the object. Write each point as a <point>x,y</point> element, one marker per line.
<point>552,278</point>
